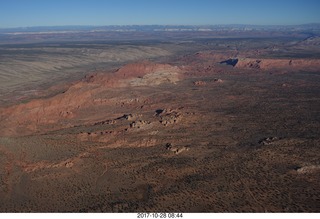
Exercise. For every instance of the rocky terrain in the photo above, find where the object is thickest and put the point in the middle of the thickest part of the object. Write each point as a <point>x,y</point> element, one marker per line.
<point>40,67</point>
<point>204,131</point>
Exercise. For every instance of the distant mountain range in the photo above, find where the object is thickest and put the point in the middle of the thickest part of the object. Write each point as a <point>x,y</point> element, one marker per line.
<point>154,28</point>
<point>152,32</point>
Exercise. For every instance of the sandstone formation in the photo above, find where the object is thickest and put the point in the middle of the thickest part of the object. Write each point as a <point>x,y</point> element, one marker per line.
<point>197,132</point>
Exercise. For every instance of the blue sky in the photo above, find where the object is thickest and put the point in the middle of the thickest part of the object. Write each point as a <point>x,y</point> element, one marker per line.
<point>22,13</point>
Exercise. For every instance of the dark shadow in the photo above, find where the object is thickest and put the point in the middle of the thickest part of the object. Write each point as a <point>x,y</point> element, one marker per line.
<point>232,62</point>
<point>159,111</point>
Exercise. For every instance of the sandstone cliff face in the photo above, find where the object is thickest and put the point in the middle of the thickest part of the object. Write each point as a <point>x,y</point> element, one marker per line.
<point>136,74</point>
<point>62,110</point>
<point>286,64</point>
<point>59,111</point>
<point>146,73</point>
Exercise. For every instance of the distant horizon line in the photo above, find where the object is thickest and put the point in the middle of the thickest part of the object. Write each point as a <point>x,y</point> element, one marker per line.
<point>186,25</point>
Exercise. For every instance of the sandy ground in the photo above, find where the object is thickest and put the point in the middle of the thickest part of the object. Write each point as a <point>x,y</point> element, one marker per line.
<point>185,135</point>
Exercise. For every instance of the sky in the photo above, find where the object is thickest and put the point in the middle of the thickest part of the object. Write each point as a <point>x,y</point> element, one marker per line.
<point>26,13</point>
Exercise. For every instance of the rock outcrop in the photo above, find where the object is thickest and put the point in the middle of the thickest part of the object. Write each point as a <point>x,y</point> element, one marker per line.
<point>284,64</point>
<point>57,112</point>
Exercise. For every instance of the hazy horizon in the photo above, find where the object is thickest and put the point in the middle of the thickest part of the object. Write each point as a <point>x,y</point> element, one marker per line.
<point>173,25</point>
<point>36,13</point>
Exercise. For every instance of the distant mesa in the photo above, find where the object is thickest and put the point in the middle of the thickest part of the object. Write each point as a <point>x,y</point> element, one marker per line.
<point>232,62</point>
<point>284,64</point>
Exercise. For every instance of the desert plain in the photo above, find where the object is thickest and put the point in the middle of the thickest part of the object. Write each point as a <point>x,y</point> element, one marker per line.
<point>172,123</point>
